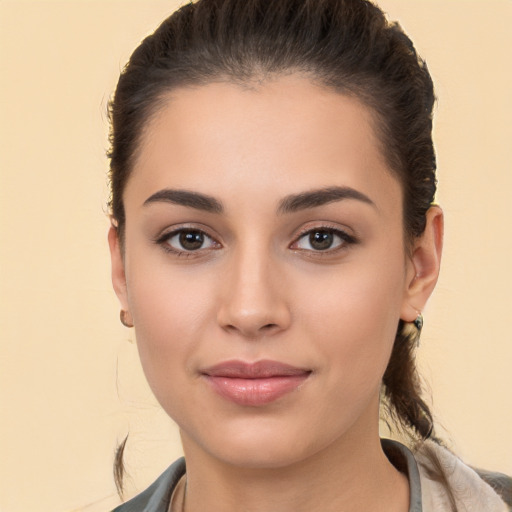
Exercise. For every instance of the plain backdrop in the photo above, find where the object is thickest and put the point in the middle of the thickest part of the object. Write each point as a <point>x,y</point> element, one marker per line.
<point>71,385</point>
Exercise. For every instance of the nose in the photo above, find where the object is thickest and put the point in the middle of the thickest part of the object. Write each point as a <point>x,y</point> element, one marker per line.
<point>253,302</point>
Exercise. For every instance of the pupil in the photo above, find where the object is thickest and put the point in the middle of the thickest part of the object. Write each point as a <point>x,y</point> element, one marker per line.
<point>321,240</point>
<point>191,240</point>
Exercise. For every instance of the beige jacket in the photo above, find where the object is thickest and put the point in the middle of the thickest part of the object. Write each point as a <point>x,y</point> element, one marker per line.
<point>470,492</point>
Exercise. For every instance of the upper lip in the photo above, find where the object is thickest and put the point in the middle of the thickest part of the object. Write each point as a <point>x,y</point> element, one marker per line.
<point>257,370</point>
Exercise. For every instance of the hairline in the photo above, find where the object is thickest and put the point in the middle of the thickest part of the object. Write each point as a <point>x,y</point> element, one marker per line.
<point>259,77</point>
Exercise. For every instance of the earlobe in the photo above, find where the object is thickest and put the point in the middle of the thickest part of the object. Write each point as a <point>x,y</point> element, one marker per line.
<point>425,262</point>
<point>118,274</point>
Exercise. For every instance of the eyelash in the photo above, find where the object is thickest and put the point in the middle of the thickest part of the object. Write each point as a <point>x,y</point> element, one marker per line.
<point>163,241</point>
<point>346,241</point>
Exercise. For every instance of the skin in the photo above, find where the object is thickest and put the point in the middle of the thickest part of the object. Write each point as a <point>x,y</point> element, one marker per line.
<point>258,289</point>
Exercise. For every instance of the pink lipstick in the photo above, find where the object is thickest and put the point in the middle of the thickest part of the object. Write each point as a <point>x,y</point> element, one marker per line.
<point>254,384</point>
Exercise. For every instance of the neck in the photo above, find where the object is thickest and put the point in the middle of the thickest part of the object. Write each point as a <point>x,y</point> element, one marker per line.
<point>352,474</point>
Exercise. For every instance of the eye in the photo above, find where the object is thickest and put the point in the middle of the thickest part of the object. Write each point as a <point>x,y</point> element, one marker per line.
<point>323,239</point>
<point>187,240</point>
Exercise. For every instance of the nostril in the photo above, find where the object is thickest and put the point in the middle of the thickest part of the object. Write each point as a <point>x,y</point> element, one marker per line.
<point>252,332</point>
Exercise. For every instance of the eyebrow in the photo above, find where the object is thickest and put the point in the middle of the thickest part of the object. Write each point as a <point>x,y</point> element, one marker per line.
<point>186,198</point>
<point>319,197</point>
<point>290,204</point>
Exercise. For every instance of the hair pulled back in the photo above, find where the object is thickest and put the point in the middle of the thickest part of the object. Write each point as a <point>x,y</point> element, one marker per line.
<point>345,45</point>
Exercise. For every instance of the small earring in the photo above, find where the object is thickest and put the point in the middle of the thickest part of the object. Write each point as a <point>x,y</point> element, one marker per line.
<point>418,323</point>
<point>124,316</point>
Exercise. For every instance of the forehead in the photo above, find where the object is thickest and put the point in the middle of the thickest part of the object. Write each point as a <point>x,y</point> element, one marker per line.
<point>285,134</point>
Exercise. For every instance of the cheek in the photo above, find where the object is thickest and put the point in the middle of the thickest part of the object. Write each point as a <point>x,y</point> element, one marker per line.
<point>353,328</point>
<point>171,311</point>
<point>355,315</point>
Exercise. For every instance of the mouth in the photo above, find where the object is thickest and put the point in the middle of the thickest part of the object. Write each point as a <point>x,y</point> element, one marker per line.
<point>255,384</point>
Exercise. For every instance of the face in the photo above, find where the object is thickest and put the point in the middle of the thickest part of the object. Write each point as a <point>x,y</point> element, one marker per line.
<point>264,268</point>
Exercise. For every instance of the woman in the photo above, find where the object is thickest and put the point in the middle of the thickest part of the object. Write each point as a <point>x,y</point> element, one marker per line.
<point>274,242</point>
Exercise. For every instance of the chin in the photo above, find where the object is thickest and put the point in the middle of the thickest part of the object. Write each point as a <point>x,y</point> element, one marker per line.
<point>270,455</point>
<point>262,444</point>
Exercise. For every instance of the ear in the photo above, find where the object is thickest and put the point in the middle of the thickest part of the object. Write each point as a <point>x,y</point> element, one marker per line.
<point>423,265</point>
<point>118,274</point>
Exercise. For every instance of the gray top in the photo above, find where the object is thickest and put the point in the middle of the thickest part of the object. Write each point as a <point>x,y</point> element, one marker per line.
<point>157,497</point>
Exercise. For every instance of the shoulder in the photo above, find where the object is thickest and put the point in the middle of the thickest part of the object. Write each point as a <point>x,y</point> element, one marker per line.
<point>447,482</point>
<point>157,496</point>
<point>500,482</point>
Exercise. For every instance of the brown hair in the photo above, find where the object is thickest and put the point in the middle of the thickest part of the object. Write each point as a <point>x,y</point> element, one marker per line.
<point>345,45</point>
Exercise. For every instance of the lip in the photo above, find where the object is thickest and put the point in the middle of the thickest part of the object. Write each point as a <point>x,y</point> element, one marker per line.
<point>254,384</point>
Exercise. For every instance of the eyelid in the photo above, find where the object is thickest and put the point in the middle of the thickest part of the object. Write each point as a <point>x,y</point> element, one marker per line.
<point>347,238</point>
<point>172,231</point>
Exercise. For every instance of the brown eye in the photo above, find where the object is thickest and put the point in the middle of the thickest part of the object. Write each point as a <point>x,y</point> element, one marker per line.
<point>188,240</point>
<point>191,240</point>
<point>321,240</point>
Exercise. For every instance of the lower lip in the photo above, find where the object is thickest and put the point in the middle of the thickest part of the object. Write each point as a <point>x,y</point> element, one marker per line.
<point>256,392</point>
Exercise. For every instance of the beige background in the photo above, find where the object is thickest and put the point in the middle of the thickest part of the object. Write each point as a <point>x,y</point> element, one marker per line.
<point>71,385</point>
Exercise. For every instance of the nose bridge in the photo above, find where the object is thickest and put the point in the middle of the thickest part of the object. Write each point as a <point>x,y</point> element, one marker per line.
<point>253,301</point>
